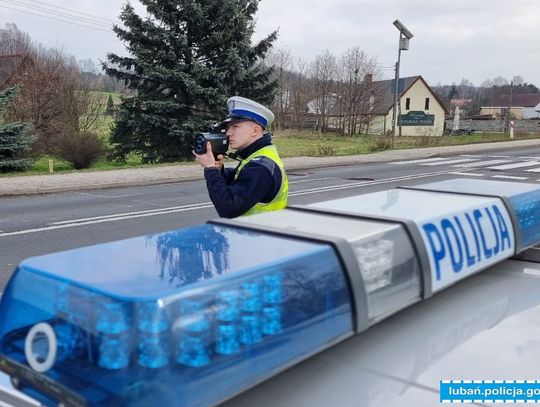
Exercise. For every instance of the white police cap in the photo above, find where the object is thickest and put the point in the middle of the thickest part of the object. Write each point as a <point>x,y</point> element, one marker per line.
<point>246,109</point>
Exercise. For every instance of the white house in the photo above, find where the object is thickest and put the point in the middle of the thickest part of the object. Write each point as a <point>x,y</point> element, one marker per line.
<point>421,112</point>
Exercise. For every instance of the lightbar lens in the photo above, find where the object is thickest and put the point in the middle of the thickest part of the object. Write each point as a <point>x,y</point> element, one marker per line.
<point>524,200</point>
<point>458,234</point>
<point>386,259</point>
<point>390,271</point>
<point>527,210</point>
<point>219,329</point>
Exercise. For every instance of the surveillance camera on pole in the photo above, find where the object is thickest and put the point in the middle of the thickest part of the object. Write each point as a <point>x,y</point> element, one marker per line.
<point>404,36</point>
<point>403,29</point>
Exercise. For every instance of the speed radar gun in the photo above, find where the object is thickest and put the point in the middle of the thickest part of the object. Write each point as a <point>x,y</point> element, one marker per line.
<point>218,141</point>
<point>194,316</point>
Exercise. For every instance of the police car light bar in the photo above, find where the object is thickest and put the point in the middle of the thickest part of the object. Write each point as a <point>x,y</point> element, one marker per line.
<point>522,201</point>
<point>383,269</point>
<point>194,316</point>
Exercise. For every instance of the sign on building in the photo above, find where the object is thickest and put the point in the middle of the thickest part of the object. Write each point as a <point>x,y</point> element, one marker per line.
<point>416,118</point>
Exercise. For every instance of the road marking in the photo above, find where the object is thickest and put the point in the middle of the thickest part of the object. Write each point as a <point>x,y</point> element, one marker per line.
<point>367,183</point>
<point>531,271</point>
<point>450,162</point>
<point>105,219</point>
<point>309,180</point>
<point>184,208</point>
<point>509,177</point>
<point>481,163</point>
<point>127,215</point>
<point>515,165</point>
<point>422,160</point>
<point>467,174</point>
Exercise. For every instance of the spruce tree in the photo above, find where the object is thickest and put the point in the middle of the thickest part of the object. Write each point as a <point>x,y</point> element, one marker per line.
<point>15,139</point>
<point>185,59</point>
<point>110,106</point>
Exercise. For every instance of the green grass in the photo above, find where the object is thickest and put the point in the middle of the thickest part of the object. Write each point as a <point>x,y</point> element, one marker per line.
<point>103,127</point>
<point>318,145</point>
<point>293,144</point>
<point>105,97</point>
<point>315,144</point>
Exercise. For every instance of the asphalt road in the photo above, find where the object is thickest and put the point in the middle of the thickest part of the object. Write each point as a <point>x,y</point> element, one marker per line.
<point>35,225</point>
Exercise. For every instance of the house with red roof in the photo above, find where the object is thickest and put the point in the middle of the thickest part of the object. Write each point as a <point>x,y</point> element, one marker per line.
<point>521,105</point>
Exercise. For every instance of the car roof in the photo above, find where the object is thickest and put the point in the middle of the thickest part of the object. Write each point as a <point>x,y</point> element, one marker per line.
<point>485,327</point>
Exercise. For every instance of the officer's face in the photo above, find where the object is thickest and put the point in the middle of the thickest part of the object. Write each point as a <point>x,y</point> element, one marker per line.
<point>242,134</point>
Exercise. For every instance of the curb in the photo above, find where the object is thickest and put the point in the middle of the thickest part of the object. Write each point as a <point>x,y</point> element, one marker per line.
<point>135,177</point>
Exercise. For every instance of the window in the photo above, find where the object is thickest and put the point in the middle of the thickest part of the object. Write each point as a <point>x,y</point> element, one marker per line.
<point>408,104</point>
<point>426,104</point>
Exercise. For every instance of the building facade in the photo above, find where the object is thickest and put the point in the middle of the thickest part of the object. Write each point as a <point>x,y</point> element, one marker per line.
<point>522,106</point>
<point>420,112</point>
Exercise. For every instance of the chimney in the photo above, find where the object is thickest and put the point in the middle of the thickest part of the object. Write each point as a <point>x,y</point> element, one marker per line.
<point>368,78</point>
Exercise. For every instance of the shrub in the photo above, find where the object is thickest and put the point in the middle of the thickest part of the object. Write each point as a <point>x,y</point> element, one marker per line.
<point>381,143</point>
<point>425,141</point>
<point>321,151</point>
<point>80,148</point>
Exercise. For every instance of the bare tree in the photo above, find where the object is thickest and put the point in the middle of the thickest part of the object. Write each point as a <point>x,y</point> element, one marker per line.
<point>281,60</point>
<point>87,65</point>
<point>500,81</point>
<point>298,93</point>
<point>14,41</point>
<point>360,92</point>
<point>323,75</point>
<point>82,109</point>
<point>518,80</point>
<point>38,101</point>
<point>466,89</point>
<point>54,97</point>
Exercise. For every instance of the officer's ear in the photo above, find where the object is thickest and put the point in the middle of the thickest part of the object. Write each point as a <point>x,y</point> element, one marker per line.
<point>258,128</point>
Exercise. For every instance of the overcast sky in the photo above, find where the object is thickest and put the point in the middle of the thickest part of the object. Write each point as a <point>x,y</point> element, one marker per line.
<point>453,39</point>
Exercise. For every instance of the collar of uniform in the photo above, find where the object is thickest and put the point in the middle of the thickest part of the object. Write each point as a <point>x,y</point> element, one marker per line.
<point>264,141</point>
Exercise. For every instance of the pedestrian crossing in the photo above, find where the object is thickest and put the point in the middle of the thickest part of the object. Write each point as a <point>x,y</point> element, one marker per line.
<point>481,163</point>
<point>516,165</point>
<point>469,165</point>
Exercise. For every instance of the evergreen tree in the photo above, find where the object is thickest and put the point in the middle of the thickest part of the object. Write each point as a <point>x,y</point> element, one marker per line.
<point>452,92</point>
<point>185,59</point>
<point>15,139</point>
<point>110,106</point>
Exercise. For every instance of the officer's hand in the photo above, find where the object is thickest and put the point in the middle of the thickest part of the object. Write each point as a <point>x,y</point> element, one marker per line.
<point>219,162</point>
<point>207,159</point>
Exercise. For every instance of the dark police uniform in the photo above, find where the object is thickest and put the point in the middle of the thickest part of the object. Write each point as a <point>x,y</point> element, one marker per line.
<point>260,180</point>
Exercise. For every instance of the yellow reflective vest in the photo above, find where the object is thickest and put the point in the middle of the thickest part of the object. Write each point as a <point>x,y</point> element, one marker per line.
<point>280,200</point>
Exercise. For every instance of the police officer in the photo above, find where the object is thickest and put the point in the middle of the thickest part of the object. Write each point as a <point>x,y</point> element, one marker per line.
<point>259,183</point>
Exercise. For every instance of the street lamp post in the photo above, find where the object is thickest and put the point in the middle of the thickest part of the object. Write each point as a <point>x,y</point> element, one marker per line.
<point>404,36</point>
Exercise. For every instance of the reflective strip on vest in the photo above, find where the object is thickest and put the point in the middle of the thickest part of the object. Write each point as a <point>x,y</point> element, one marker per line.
<point>280,200</point>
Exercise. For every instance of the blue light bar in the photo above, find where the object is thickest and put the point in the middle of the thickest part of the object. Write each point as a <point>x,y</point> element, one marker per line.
<point>454,235</point>
<point>379,254</point>
<point>190,317</point>
<point>194,316</point>
<point>521,199</point>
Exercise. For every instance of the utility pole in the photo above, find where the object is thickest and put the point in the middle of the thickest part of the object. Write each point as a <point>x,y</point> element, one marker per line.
<point>281,96</point>
<point>404,36</point>
<point>508,109</point>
